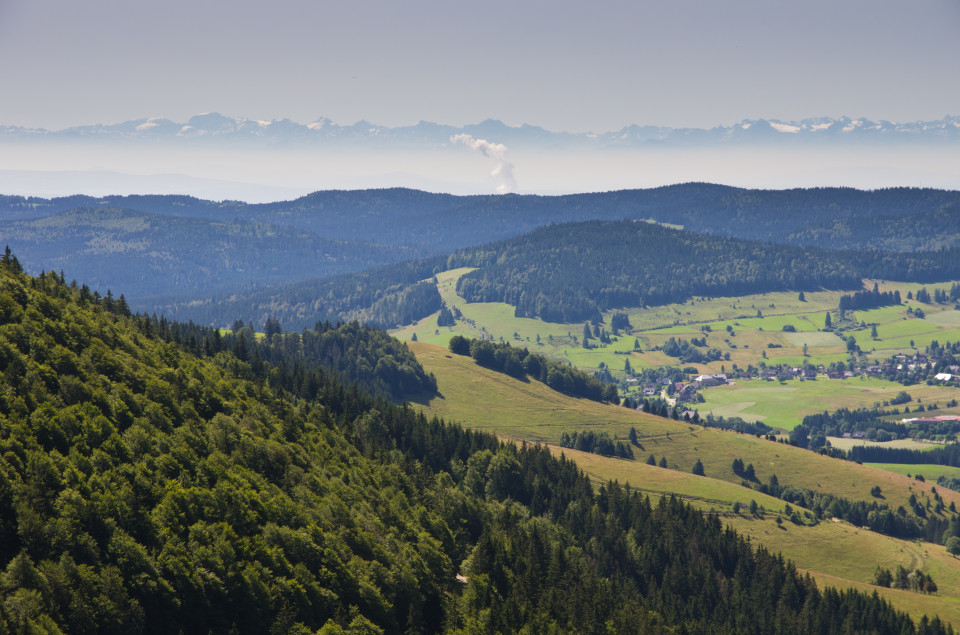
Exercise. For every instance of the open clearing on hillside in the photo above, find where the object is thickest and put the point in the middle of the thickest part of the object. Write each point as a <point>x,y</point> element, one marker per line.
<point>813,339</point>
<point>835,551</point>
<point>842,555</point>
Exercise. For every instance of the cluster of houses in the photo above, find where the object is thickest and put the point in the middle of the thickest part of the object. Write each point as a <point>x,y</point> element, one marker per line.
<point>918,362</point>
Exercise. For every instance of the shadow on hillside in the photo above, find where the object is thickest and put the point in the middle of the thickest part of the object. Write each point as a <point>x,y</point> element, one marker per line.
<point>424,398</point>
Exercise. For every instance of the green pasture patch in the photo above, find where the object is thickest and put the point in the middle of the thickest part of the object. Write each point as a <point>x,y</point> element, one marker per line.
<point>901,328</point>
<point>774,323</point>
<point>892,345</point>
<point>737,409</point>
<point>708,310</point>
<point>899,444</point>
<point>814,339</point>
<point>882,315</point>
<point>949,318</point>
<point>929,471</point>
<point>815,357</point>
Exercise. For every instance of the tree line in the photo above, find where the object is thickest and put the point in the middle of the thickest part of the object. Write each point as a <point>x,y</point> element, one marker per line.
<point>863,300</point>
<point>520,363</point>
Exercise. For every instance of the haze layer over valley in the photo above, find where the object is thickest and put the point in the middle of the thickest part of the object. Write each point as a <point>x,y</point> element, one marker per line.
<point>218,157</point>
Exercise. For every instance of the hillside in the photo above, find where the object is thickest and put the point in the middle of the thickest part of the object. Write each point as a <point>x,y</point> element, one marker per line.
<point>207,246</point>
<point>516,410</point>
<point>574,272</point>
<point>150,254</point>
<point>446,222</point>
<point>386,296</point>
<point>153,481</point>
<point>486,400</point>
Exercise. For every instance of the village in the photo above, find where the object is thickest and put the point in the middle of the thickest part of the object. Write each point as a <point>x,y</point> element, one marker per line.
<point>904,369</point>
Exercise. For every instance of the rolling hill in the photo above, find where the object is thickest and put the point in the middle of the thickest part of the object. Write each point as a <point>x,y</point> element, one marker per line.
<point>149,254</point>
<point>831,550</point>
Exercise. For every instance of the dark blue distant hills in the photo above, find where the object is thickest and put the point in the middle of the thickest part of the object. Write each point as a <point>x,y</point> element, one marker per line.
<point>300,259</point>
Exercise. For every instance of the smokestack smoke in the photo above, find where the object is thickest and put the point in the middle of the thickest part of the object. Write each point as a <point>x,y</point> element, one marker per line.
<point>502,173</point>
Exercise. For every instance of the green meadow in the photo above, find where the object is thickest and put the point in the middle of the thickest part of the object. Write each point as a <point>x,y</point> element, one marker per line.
<point>750,340</point>
<point>783,405</point>
<point>930,472</point>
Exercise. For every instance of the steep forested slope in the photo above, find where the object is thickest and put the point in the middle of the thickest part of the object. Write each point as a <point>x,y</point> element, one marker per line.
<point>152,481</point>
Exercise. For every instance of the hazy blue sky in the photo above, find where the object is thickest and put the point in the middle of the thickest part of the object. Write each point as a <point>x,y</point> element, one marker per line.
<point>560,64</point>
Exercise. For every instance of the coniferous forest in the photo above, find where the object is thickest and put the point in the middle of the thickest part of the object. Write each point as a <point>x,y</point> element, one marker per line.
<point>159,477</point>
<point>573,272</point>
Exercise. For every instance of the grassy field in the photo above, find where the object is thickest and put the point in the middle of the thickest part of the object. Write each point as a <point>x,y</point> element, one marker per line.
<point>910,444</point>
<point>832,551</point>
<point>841,555</point>
<point>784,405</point>
<point>930,472</point>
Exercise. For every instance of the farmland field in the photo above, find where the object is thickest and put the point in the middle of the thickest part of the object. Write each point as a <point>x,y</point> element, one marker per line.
<point>783,405</point>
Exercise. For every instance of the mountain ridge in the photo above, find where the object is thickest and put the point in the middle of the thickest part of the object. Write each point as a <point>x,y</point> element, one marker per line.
<point>215,126</point>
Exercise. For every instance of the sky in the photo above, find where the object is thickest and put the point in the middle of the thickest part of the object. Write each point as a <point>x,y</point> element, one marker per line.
<point>560,64</point>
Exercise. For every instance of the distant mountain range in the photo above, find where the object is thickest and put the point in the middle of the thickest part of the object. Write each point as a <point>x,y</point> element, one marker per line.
<point>214,127</point>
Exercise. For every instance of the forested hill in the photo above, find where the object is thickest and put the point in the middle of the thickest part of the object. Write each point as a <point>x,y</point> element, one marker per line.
<point>149,254</point>
<point>387,297</point>
<point>442,222</point>
<point>926,231</point>
<point>572,272</point>
<point>151,482</point>
<point>171,254</point>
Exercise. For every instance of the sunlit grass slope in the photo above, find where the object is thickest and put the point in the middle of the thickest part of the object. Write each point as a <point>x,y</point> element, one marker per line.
<point>484,399</point>
<point>836,553</point>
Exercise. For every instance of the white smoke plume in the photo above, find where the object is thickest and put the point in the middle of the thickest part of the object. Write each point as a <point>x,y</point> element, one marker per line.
<point>503,172</point>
